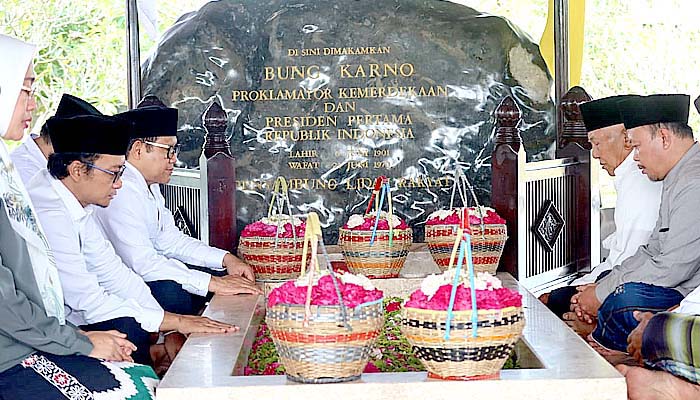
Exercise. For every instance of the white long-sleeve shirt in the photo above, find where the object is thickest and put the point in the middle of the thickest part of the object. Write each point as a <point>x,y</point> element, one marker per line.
<point>636,212</point>
<point>28,159</point>
<point>97,286</point>
<point>145,236</point>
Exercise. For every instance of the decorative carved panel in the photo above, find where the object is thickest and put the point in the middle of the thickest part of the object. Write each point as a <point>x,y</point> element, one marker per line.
<point>549,225</point>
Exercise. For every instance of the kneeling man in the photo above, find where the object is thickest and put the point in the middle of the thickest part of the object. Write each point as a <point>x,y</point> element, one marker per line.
<point>664,270</point>
<point>101,293</point>
<point>143,230</point>
<point>638,198</point>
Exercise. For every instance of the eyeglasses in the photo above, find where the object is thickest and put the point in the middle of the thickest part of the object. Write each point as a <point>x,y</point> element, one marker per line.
<point>172,151</point>
<point>30,90</point>
<point>116,175</point>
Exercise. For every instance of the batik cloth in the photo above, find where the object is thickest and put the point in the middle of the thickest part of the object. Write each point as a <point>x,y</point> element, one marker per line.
<point>48,376</point>
<point>671,342</point>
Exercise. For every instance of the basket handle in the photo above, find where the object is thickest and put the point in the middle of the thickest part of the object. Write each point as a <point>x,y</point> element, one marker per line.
<point>314,237</point>
<point>461,185</point>
<point>280,198</point>
<point>465,246</point>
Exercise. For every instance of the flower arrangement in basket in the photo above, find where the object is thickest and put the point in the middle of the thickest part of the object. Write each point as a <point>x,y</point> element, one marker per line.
<point>324,325</point>
<point>273,245</point>
<point>463,324</point>
<point>488,229</point>
<point>376,244</point>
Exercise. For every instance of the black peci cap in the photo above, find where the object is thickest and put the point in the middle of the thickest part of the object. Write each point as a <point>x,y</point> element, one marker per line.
<point>654,109</point>
<point>152,121</point>
<point>99,134</point>
<point>601,113</point>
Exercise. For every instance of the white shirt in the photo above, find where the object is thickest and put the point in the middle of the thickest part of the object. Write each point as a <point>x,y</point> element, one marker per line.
<point>636,212</point>
<point>144,235</point>
<point>28,159</point>
<point>97,286</point>
<point>691,303</point>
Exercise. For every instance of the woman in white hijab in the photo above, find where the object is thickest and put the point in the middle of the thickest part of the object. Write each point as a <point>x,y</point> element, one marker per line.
<point>43,356</point>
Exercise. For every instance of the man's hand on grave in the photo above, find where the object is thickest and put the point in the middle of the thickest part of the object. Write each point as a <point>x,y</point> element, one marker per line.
<point>236,266</point>
<point>232,284</point>
<point>634,340</point>
<point>187,324</point>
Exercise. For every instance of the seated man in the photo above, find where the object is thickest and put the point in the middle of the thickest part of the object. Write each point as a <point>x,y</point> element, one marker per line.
<point>638,198</point>
<point>666,342</point>
<point>43,356</point>
<point>31,155</point>
<point>143,232</point>
<point>101,293</point>
<point>664,270</point>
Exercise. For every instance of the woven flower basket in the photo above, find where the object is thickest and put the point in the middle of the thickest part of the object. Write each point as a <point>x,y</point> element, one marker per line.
<point>487,245</point>
<point>380,260</point>
<point>272,259</point>
<point>325,351</point>
<point>463,356</point>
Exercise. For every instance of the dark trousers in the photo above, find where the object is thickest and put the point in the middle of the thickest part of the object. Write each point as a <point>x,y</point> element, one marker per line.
<point>560,300</point>
<point>134,332</point>
<point>615,316</point>
<point>173,298</point>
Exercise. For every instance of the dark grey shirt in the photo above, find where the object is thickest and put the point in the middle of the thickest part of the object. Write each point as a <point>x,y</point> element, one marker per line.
<point>672,257</point>
<point>24,325</point>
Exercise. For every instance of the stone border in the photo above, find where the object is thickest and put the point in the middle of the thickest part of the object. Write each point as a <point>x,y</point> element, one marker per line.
<point>206,366</point>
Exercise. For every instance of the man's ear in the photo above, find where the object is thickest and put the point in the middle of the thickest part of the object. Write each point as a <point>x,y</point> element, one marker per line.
<point>626,140</point>
<point>76,170</point>
<point>666,137</point>
<point>136,150</point>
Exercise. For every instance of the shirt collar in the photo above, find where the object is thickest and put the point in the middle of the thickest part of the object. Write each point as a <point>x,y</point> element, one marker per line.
<point>674,174</point>
<point>76,211</point>
<point>626,166</point>
<point>133,174</point>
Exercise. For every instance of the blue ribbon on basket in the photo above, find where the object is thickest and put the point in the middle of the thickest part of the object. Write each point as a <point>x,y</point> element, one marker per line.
<point>465,246</point>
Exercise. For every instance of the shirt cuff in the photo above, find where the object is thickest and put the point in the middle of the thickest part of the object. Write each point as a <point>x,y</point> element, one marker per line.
<point>214,259</point>
<point>198,283</point>
<point>83,345</point>
<point>151,319</point>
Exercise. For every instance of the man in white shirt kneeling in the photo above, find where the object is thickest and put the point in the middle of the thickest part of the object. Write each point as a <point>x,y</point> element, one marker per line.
<point>100,292</point>
<point>143,230</point>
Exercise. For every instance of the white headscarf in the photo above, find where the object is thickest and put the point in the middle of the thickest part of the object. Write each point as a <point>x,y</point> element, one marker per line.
<point>14,200</point>
<point>17,56</point>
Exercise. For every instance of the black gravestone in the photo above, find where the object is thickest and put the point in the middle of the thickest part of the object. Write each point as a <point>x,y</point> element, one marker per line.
<point>333,93</point>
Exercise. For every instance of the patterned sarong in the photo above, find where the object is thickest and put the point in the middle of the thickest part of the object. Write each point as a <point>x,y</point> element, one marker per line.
<point>47,376</point>
<point>671,343</point>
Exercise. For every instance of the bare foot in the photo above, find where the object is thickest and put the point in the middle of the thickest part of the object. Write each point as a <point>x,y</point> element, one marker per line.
<point>582,328</point>
<point>544,298</point>
<point>644,384</point>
